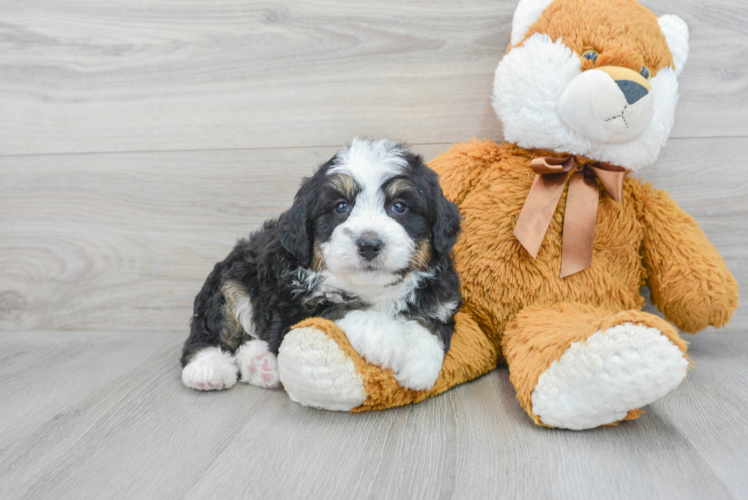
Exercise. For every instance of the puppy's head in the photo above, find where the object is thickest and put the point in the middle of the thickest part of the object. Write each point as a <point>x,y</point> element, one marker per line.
<point>372,213</point>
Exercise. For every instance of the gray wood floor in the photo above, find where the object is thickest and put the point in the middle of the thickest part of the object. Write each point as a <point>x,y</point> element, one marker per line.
<point>138,140</point>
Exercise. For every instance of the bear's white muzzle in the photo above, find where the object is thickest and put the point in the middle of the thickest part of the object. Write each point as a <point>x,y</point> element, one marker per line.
<point>608,105</point>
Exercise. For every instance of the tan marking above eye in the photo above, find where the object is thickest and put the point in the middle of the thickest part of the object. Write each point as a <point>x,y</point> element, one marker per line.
<point>344,184</point>
<point>399,186</point>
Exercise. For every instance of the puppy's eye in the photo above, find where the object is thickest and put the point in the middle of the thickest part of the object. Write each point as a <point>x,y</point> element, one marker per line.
<point>591,55</point>
<point>645,72</point>
<point>342,207</point>
<point>399,207</point>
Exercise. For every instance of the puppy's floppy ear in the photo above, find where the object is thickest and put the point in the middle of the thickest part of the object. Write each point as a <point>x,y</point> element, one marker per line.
<point>446,223</point>
<point>295,236</point>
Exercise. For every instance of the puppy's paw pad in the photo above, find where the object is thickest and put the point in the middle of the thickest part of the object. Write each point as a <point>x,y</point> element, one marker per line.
<point>258,366</point>
<point>210,370</point>
<point>211,386</point>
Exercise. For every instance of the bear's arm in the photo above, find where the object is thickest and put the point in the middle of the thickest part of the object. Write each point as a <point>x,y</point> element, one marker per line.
<point>463,165</point>
<point>688,279</point>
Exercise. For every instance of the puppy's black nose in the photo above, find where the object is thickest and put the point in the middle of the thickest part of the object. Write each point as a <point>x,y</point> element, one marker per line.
<point>368,248</point>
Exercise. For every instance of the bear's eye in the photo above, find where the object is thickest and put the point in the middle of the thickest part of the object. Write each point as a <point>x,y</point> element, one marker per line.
<point>591,55</point>
<point>645,72</point>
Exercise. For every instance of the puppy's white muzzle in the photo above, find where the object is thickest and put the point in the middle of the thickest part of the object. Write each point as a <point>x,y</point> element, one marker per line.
<point>356,247</point>
<point>608,105</point>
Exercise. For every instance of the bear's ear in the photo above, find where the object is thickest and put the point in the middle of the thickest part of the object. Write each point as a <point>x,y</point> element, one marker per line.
<point>528,11</point>
<point>675,30</point>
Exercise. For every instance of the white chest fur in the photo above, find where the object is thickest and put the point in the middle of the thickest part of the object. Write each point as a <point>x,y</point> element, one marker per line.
<point>386,294</point>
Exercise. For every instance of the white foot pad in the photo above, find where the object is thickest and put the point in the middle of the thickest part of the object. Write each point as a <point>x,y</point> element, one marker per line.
<point>209,370</point>
<point>315,372</point>
<point>257,364</point>
<point>597,382</point>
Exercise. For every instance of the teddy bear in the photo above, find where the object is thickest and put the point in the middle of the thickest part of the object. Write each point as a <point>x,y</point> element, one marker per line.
<point>558,234</point>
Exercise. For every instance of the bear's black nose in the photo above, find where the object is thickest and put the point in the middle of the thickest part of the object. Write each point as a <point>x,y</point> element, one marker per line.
<point>368,248</point>
<point>632,91</point>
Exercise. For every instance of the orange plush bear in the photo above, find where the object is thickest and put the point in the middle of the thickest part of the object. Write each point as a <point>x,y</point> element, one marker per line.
<point>558,237</point>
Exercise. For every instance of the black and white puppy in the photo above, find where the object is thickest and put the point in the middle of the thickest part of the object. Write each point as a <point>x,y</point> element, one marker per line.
<point>365,244</point>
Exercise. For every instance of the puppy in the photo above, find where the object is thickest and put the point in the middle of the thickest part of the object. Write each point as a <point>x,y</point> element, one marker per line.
<point>366,244</point>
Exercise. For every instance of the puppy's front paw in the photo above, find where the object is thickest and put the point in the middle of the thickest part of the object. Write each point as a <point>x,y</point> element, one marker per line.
<point>376,337</point>
<point>423,362</point>
<point>210,370</point>
<point>257,364</point>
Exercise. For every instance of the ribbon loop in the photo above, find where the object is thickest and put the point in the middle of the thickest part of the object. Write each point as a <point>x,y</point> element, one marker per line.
<point>547,165</point>
<point>551,175</point>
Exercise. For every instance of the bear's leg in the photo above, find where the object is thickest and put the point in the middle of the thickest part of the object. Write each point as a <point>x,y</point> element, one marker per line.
<point>575,366</point>
<point>319,368</point>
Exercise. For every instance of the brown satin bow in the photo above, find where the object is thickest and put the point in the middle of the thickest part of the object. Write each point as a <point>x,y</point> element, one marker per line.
<point>581,207</point>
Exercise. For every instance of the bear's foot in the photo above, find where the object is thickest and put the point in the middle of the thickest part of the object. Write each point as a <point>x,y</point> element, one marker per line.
<point>600,380</point>
<point>315,372</point>
<point>576,366</point>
